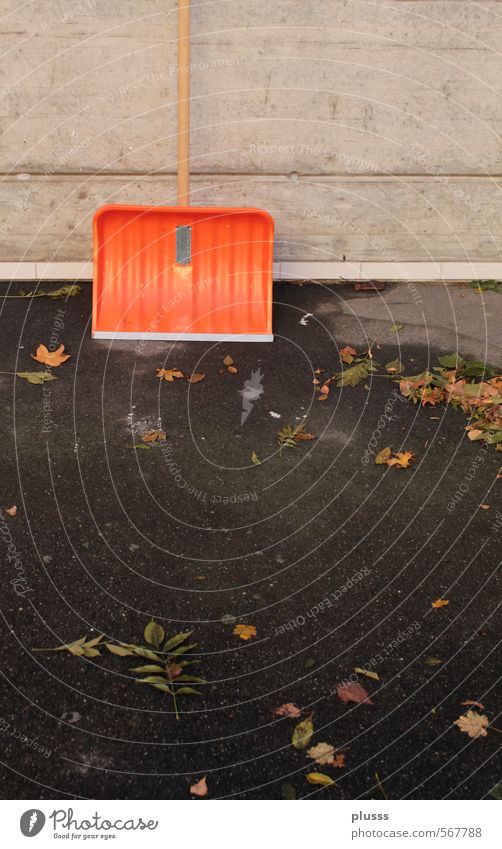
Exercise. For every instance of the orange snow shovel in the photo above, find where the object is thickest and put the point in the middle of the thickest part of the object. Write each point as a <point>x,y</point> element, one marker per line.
<point>182,273</point>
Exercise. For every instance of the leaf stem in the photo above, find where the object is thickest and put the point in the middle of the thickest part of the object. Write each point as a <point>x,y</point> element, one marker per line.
<point>381,786</point>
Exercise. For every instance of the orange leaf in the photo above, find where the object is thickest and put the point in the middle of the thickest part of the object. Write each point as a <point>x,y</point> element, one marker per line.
<point>353,692</point>
<point>288,709</point>
<point>232,369</point>
<point>50,358</point>
<point>228,361</point>
<point>245,632</point>
<point>196,377</point>
<point>11,511</point>
<point>154,436</point>
<point>200,788</point>
<point>402,460</point>
<point>440,602</point>
<point>169,374</point>
<point>349,350</point>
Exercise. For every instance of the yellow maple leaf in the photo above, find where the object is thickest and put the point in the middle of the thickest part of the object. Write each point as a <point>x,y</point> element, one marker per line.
<point>472,723</point>
<point>245,632</point>
<point>402,460</point>
<point>169,374</point>
<point>50,358</point>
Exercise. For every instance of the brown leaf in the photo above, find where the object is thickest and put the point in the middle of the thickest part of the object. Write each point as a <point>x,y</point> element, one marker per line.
<point>50,358</point>
<point>228,361</point>
<point>347,354</point>
<point>173,670</point>
<point>484,506</point>
<point>232,369</point>
<point>474,724</point>
<point>289,709</point>
<point>200,788</point>
<point>196,377</point>
<point>469,703</point>
<point>154,436</point>
<point>169,374</point>
<point>304,437</point>
<point>353,692</point>
<point>11,511</point>
<point>440,602</point>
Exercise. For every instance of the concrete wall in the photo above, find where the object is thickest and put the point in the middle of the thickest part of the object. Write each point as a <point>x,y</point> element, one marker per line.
<point>370,130</point>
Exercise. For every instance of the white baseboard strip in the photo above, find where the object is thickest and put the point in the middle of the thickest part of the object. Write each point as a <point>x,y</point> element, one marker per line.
<point>285,270</point>
<point>183,337</point>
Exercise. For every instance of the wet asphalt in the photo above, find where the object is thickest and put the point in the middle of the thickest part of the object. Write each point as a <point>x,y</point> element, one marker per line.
<point>334,560</point>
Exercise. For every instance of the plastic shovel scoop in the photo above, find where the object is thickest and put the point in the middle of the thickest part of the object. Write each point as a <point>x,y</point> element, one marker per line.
<point>194,273</point>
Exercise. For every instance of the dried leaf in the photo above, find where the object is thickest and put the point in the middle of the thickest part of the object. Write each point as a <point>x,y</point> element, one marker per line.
<point>402,460</point>
<point>228,361</point>
<point>474,724</point>
<point>289,436</point>
<point>289,709</point>
<point>484,507</point>
<point>154,634</point>
<point>394,367</point>
<point>320,778</point>
<point>383,456</point>
<point>169,374</point>
<point>121,651</point>
<point>303,733</point>
<point>11,511</point>
<point>353,692</point>
<point>373,675</point>
<point>245,632</point>
<point>255,460</point>
<point>496,791</point>
<point>322,753</point>
<point>288,791</point>
<point>232,369</point>
<point>440,602</point>
<point>469,703</point>
<point>347,354</point>
<point>353,376</point>
<point>50,358</point>
<point>200,788</point>
<point>395,327</point>
<point>154,436</point>
<point>432,661</point>
<point>67,291</point>
<point>196,377</point>
<point>36,376</point>
<point>324,392</point>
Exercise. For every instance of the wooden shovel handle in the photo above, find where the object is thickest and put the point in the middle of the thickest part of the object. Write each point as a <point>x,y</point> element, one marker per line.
<point>183,102</point>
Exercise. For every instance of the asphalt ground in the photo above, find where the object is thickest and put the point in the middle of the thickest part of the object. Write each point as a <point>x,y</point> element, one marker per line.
<point>334,560</point>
